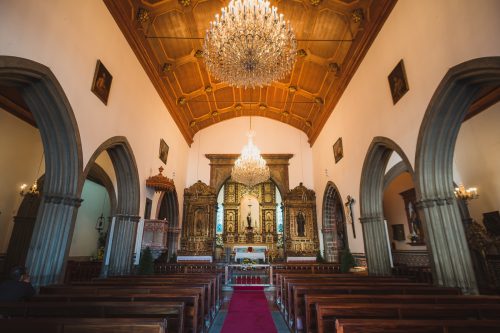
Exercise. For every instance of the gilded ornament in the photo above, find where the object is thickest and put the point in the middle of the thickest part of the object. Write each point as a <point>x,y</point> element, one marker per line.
<point>318,100</point>
<point>181,101</point>
<point>185,3</point>
<point>334,68</point>
<point>292,89</point>
<point>142,15</point>
<point>301,53</point>
<point>198,54</point>
<point>167,67</point>
<point>315,2</point>
<point>357,15</point>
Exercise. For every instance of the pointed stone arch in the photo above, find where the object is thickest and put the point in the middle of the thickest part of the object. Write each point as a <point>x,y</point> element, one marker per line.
<point>334,224</point>
<point>168,207</point>
<point>121,238</point>
<point>54,117</point>
<point>371,203</point>
<point>438,133</point>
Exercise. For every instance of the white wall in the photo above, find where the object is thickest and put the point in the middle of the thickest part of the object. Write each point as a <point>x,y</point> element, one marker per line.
<point>431,36</point>
<point>477,160</point>
<point>20,154</point>
<point>69,37</point>
<point>272,137</point>
<point>85,236</point>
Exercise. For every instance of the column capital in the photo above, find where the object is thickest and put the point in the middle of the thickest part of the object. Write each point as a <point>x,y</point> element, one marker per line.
<point>437,201</point>
<point>62,199</point>
<point>132,218</point>
<point>370,219</point>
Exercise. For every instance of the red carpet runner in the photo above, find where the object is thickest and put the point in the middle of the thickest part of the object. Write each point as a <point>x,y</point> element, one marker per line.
<point>248,312</point>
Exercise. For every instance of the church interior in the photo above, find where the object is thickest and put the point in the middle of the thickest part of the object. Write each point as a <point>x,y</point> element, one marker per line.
<point>251,165</point>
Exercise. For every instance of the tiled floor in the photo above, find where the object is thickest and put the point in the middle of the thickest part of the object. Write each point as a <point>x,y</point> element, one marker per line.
<point>277,317</point>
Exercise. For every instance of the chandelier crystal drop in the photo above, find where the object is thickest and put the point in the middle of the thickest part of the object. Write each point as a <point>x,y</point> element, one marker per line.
<point>250,168</point>
<point>249,44</point>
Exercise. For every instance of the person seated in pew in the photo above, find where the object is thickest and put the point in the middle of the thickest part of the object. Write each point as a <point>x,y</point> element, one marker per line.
<point>19,287</point>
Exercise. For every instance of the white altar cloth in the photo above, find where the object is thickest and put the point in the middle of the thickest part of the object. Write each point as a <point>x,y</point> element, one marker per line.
<point>250,255</point>
<point>194,258</point>
<point>301,259</point>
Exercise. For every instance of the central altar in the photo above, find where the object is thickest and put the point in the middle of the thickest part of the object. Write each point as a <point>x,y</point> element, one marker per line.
<point>250,252</point>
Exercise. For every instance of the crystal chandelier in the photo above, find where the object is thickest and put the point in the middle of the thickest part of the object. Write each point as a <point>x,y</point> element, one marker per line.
<point>249,44</point>
<point>250,168</point>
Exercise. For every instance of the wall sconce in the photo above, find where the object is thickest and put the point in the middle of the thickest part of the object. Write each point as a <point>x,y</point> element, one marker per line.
<point>466,194</point>
<point>33,190</point>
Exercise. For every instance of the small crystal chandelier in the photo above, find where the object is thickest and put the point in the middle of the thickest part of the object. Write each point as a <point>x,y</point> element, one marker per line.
<point>250,168</point>
<point>249,44</point>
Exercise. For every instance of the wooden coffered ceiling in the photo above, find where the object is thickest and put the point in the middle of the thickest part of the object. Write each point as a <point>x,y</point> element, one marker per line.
<point>333,37</point>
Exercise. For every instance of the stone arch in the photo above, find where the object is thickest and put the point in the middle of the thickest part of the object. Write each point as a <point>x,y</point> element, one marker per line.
<point>334,224</point>
<point>168,208</point>
<point>54,117</point>
<point>371,203</point>
<point>121,237</point>
<point>434,169</point>
<point>394,172</point>
<point>99,176</point>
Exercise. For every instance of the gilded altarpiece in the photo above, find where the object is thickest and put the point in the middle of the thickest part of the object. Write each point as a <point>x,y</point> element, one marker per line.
<point>301,226</point>
<point>250,216</point>
<point>198,227</point>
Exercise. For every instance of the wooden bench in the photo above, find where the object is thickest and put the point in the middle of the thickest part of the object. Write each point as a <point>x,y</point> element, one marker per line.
<point>173,312</point>
<point>312,300</point>
<point>327,314</point>
<point>193,320</point>
<point>296,306</point>
<point>417,326</point>
<point>83,325</point>
<point>208,297</point>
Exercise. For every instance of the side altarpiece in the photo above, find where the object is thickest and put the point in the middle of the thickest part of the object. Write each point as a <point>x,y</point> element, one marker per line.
<point>198,227</point>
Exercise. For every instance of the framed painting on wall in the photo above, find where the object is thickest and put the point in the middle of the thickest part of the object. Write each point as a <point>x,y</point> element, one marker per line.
<point>163,151</point>
<point>101,84</point>
<point>398,82</point>
<point>338,150</point>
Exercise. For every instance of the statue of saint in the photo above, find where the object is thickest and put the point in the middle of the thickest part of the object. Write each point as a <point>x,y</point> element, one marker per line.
<point>249,221</point>
<point>301,223</point>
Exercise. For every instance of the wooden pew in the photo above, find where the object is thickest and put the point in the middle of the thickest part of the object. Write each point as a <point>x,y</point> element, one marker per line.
<point>417,326</point>
<point>208,296</point>
<point>172,312</point>
<point>294,294</point>
<point>282,280</point>
<point>288,283</point>
<point>296,306</point>
<point>215,287</point>
<point>193,320</point>
<point>312,300</point>
<point>83,325</point>
<point>328,313</point>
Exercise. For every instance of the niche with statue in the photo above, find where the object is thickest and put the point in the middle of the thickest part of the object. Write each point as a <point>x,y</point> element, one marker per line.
<point>301,226</point>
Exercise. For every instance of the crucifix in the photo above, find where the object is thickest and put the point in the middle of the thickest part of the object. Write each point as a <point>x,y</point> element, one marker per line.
<point>348,208</point>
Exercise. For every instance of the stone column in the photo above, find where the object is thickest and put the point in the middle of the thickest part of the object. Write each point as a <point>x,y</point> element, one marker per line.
<point>452,265</point>
<point>51,238</point>
<point>121,244</point>
<point>375,239</point>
